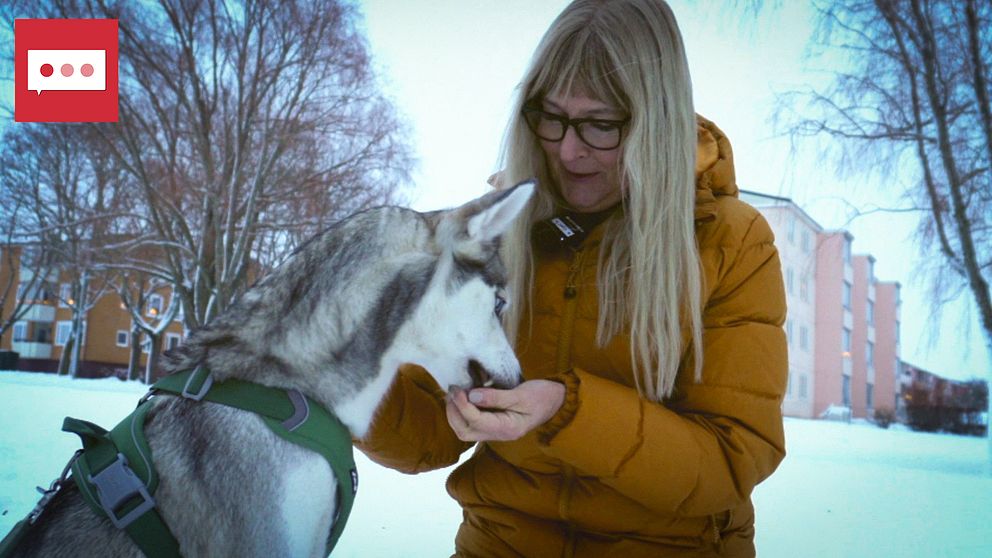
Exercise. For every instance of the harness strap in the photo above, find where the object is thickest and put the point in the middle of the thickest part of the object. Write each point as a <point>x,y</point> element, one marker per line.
<point>116,478</point>
<point>290,415</point>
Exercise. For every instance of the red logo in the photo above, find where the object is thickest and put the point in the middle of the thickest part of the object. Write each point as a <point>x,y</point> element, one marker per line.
<point>65,70</point>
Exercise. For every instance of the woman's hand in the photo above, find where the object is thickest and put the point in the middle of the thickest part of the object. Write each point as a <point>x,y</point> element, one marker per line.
<point>484,414</point>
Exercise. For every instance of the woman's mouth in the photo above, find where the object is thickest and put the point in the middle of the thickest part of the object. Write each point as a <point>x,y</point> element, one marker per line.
<point>578,176</point>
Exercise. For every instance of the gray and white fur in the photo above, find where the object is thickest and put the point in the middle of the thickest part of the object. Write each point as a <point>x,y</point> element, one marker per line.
<point>382,288</point>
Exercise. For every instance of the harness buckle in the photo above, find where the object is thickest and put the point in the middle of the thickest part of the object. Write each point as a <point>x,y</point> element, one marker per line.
<point>200,374</point>
<point>116,486</point>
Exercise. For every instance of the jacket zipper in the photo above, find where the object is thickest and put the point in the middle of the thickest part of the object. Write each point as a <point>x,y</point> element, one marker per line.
<point>564,362</point>
<point>568,314</point>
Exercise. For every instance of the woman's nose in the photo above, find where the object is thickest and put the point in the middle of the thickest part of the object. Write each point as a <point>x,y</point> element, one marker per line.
<point>572,147</point>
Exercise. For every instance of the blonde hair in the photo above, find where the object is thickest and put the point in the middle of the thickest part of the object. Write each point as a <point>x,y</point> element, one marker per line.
<point>629,54</point>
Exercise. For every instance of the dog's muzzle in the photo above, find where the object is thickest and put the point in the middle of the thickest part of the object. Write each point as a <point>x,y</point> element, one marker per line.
<point>482,378</point>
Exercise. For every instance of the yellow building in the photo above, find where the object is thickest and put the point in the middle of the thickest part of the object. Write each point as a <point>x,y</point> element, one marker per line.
<point>39,335</point>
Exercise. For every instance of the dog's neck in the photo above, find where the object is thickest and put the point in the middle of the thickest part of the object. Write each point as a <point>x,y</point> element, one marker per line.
<point>358,410</point>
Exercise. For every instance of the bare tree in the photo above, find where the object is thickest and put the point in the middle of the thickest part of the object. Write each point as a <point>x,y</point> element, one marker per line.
<point>25,265</point>
<point>245,128</point>
<point>67,201</point>
<point>916,95</point>
<point>148,322</point>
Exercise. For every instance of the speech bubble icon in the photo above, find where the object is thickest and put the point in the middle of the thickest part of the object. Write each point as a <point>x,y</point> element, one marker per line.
<point>67,70</point>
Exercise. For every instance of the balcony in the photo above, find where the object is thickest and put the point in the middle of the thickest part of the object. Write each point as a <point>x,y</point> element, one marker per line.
<point>28,349</point>
<point>40,313</point>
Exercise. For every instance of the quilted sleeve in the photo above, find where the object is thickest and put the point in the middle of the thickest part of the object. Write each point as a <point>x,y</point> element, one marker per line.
<point>410,432</point>
<point>704,449</point>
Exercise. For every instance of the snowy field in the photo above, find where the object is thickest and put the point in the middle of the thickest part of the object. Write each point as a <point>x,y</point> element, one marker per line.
<point>844,490</point>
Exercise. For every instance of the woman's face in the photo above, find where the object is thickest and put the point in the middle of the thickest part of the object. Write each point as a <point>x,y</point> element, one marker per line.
<point>588,179</point>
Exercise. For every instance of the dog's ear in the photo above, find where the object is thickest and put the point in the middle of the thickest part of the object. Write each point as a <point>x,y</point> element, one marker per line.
<point>494,213</point>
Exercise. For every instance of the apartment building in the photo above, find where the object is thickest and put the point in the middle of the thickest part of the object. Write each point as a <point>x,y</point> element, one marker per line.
<point>796,235</point>
<point>835,320</point>
<point>888,304</point>
<point>40,335</point>
<point>842,323</point>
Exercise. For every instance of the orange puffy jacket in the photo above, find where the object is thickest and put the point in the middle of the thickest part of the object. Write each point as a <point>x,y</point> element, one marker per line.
<point>624,476</point>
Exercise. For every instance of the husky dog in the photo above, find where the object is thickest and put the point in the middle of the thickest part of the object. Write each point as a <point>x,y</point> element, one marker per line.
<point>382,288</point>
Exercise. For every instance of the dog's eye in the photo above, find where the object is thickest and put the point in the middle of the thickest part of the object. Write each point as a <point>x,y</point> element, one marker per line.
<point>500,306</point>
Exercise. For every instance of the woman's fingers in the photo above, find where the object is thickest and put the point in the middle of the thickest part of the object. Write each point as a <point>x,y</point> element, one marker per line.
<point>472,424</point>
<point>502,414</point>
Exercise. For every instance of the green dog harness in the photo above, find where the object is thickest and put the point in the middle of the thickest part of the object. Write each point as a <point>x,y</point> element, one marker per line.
<point>116,475</point>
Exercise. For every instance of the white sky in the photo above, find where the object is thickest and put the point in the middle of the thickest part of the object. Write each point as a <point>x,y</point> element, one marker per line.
<point>451,66</point>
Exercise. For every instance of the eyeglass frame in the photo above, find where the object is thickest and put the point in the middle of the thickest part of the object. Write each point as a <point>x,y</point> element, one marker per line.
<point>573,123</point>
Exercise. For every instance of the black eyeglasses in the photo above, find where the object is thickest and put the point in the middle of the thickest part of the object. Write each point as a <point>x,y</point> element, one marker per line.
<point>594,132</point>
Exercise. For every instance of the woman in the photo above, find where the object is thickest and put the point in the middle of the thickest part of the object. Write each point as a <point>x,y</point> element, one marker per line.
<point>650,338</point>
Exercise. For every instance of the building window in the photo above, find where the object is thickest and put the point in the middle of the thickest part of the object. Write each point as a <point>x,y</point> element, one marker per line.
<point>870,355</point>
<point>788,331</point>
<point>803,386</point>
<point>42,333</point>
<point>37,295</point>
<point>804,289</point>
<point>870,396</point>
<point>847,295</point>
<point>803,338</point>
<point>172,341</point>
<point>871,313</point>
<point>788,385</point>
<point>845,342</point>
<point>792,229</point>
<point>146,344</point>
<point>847,251</point>
<point>846,391</point>
<point>20,331</point>
<point>65,295</point>
<point>788,280</point>
<point>122,338</point>
<point>62,331</point>
<point>806,240</point>
<point>154,305</point>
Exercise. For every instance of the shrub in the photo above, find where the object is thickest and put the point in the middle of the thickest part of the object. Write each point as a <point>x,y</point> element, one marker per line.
<point>884,417</point>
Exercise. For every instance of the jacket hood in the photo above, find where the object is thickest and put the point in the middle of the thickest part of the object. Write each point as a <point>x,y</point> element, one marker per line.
<point>714,168</point>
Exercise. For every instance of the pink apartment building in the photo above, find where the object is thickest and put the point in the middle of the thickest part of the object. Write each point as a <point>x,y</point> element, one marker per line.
<point>834,322</point>
<point>842,324</point>
<point>863,337</point>
<point>888,365</point>
<point>876,327</point>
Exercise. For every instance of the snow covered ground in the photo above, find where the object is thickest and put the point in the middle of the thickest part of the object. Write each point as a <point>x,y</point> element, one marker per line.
<point>843,491</point>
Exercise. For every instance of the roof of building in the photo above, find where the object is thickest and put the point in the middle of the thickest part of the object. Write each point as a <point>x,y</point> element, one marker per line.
<point>758,199</point>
